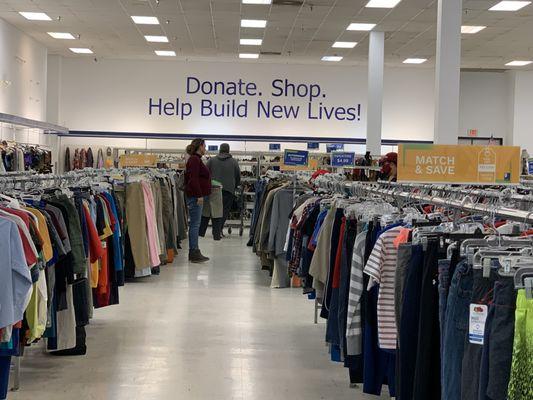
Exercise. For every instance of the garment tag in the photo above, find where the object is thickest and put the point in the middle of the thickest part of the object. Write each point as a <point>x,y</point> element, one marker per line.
<point>104,245</point>
<point>478,316</point>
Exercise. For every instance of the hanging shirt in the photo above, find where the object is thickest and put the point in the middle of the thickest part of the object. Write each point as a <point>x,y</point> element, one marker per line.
<point>381,267</point>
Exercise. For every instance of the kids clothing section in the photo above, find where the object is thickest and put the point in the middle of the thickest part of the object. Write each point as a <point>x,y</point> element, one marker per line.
<point>409,314</point>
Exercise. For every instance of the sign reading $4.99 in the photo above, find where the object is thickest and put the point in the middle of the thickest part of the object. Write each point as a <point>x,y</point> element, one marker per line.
<point>485,165</point>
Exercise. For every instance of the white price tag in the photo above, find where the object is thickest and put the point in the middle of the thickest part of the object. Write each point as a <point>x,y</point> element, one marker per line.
<point>478,317</point>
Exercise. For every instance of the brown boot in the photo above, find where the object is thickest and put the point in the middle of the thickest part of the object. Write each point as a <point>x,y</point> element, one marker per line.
<point>195,256</point>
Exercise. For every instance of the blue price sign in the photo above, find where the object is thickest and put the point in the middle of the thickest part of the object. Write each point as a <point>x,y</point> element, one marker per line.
<point>296,158</point>
<point>274,146</point>
<point>334,147</point>
<point>530,166</point>
<point>212,148</point>
<point>342,159</point>
<point>313,146</point>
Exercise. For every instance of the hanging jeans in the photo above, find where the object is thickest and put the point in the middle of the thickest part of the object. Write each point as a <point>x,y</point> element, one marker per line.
<point>455,331</point>
<point>195,216</point>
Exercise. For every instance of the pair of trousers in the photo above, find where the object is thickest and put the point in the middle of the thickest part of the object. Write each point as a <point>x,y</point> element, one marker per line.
<point>409,323</point>
<point>481,294</point>
<point>195,216</point>
<point>427,383</point>
<point>217,225</point>
<point>455,330</point>
<point>136,226</point>
<point>227,203</point>
<point>497,354</point>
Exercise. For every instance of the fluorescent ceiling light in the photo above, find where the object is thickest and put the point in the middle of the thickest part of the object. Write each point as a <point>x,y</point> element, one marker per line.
<point>471,28</point>
<point>509,5</point>
<point>518,63</point>
<point>156,39</point>
<point>332,58</point>
<point>382,3</point>
<point>355,26</point>
<point>35,16</point>
<point>248,55</point>
<point>344,45</point>
<point>251,42</point>
<point>143,20</point>
<point>81,50</point>
<point>253,23</point>
<point>62,35</point>
<point>165,53</point>
<point>256,1</point>
<point>415,60</point>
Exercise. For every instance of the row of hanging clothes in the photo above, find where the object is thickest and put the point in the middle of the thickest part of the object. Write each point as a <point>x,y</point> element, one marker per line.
<point>432,308</point>
<point>156,218</point>
<point>85,158</point>
<point>275,194</point>
<point>16,157</point>
<point>69,243</point>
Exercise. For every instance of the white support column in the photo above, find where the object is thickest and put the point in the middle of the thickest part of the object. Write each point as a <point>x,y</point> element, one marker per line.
<point>376,62</point>
<point>448,72</point>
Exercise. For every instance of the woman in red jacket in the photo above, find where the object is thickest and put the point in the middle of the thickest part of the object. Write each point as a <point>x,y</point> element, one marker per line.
<point>197,186</point>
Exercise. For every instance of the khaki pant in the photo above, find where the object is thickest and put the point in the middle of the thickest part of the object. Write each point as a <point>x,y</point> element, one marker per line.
<point>136,223</point>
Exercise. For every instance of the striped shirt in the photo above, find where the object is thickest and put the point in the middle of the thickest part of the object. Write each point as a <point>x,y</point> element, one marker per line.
<point>381,267</point>
<point>354,338</point>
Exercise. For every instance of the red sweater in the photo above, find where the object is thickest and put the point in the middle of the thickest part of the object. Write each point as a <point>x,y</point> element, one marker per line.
<point>197,178</point>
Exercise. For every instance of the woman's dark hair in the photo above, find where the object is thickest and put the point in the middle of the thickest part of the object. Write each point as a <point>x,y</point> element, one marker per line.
<point>194,146</point>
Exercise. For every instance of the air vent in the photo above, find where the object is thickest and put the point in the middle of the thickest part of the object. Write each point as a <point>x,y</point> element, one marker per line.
<point>483,70</point>
<point>294,3</point>
<point>271,53</point>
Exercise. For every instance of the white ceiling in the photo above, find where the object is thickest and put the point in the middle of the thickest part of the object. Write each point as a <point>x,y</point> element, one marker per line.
<point>210,29</point>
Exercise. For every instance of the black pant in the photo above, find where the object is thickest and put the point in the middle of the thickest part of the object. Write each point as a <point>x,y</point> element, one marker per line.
<point>217,227</point>
<point>227,203</point>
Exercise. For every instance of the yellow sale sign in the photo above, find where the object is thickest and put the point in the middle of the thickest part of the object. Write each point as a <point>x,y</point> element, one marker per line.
<point>484,165</point>
<point>138,160</point>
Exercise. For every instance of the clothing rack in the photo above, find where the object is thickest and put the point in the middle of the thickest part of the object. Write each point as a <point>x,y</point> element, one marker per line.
<point>399,192</point>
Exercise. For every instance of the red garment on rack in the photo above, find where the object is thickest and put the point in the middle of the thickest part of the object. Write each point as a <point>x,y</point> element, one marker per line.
<point>336,284</point>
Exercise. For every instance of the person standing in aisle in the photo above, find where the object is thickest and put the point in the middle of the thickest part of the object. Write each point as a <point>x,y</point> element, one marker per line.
<point>225,169</point>
<point>197,187</point>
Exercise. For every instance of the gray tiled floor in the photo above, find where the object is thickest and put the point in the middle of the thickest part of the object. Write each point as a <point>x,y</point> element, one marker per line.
<point>209,332</point>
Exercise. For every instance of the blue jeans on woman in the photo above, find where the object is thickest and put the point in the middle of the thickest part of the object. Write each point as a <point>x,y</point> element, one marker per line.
<point>195,217</point>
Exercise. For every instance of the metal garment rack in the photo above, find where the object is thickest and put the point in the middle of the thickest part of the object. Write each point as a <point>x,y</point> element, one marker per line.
<point>387,190</point>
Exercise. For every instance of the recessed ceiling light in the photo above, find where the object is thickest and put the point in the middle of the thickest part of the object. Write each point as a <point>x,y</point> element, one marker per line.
<point>509,5</point>
<point>156,39</point>
<point>248,55</point>
<point>355,26</point>
<point>256,1</point>
<point>35,16</point>
<point>517,63</point>
<point>81,50</point>
<point>344,45</point>
<point>471,28</point>
<point>382,3</point>
<point>251,42</point>
<point>415,60</point>
<point>332,58</point>
<point>144,20</point>
<point>253,23</point>
<point>62,35</point>
<point>165,53</point>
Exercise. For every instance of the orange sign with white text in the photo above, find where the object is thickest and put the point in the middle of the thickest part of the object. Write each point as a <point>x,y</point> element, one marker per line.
<point>483,165</point>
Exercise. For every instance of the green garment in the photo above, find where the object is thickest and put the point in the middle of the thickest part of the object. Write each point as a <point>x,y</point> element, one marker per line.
<point>521,384</point>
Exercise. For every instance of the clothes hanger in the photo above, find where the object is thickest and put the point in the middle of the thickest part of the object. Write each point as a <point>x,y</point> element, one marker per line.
<point>523,279</point>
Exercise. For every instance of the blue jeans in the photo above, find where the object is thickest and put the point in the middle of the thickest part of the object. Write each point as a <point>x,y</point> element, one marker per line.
<point>195,217</point>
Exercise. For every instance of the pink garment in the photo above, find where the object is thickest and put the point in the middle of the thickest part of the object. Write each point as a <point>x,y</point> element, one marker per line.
<point>151,221</point>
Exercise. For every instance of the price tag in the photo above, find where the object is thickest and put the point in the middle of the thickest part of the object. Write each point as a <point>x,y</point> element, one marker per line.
<point>478,317</point>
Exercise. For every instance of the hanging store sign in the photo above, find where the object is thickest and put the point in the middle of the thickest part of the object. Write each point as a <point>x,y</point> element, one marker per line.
<point>212,148</point>
<point>334,147</point>
<point>341,159</point>
<point>138,160</point>
<point>274,147</point>
<point>296,158</point>
<point>530,166</point>
<point>485,165</point>
<point>313,146</point>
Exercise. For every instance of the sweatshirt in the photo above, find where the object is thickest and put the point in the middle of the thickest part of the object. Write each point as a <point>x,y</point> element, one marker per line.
<point>197,178</point>
<point>225,169</point>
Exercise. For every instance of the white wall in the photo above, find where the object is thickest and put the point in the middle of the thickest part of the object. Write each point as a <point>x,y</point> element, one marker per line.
<point>522,134</point>
<point>22,74</point>
<point>112,95</point>
<point>484,104</point>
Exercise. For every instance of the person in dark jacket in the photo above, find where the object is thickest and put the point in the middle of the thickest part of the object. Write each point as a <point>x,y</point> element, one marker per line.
<point>197,187</point>
<point>225,169</point>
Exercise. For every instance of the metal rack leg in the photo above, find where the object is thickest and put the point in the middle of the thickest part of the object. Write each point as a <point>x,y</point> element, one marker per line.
<point>316,310</point>
<point>16,374</point>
